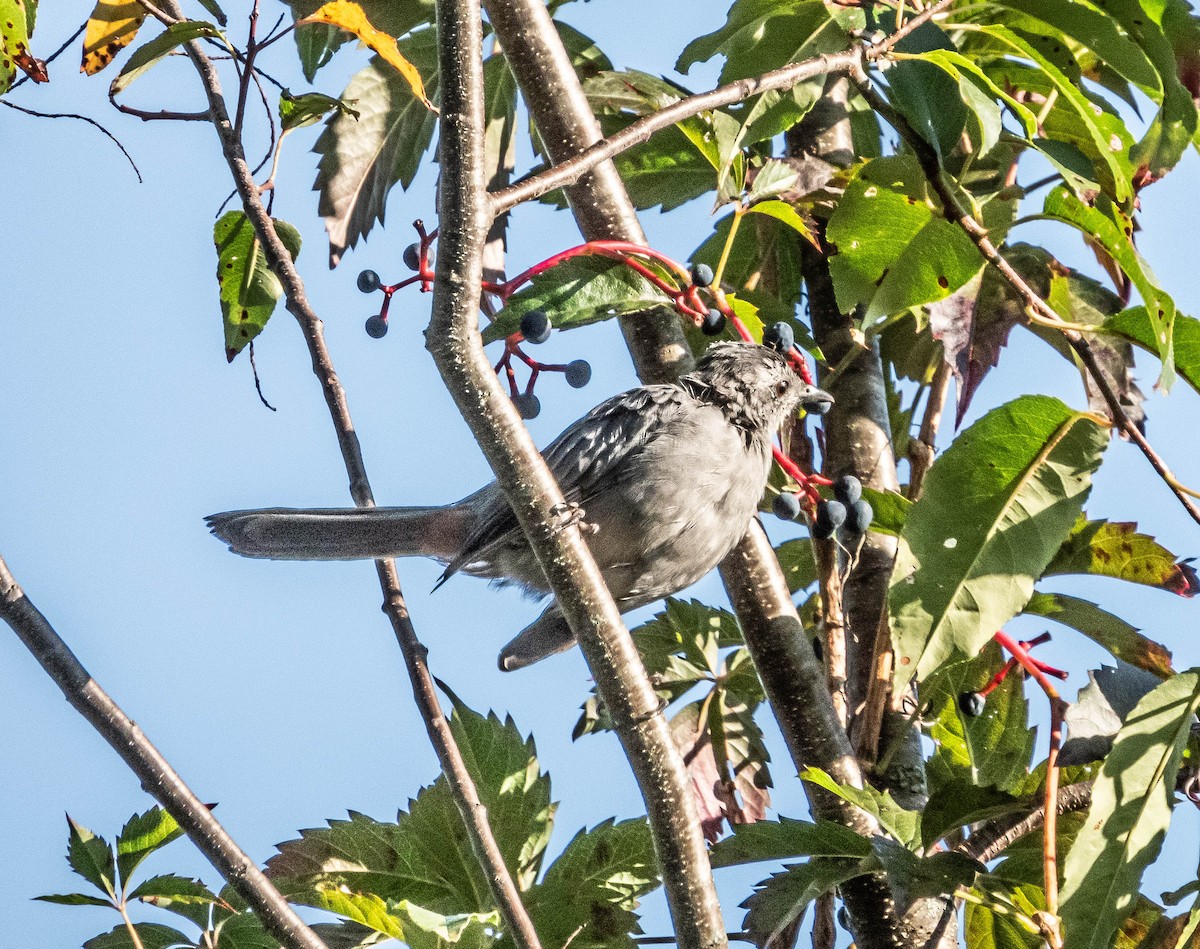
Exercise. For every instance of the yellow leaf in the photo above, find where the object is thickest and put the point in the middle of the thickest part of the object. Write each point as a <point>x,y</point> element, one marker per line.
<point>110,28</point>
<point>350,17</point>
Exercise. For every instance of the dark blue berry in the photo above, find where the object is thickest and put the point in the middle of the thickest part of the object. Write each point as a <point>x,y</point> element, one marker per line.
<point>779,337</point>
<point>578,373</point>
<point>786,506</point>
<point>535,327</point>
<point>412,256</point>
<point>858,517</point>
<point>702,275</point>
<point>376,327</point>
<point>527,404</point>
<point>830,516</point>
<point>714,323</point>
<point>368,281</point>
<point>971,704</point>
<point>847,489</point>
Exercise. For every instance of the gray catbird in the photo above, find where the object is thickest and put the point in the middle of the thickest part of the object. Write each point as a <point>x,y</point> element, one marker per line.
<point>667,477</point>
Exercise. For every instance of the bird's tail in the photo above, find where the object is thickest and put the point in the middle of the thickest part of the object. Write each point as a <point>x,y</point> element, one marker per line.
<point>344,533</point>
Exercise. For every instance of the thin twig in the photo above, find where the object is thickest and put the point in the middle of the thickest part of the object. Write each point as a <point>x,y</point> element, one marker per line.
<point>571,170</point>
<point>1050,810</point>
<point>924,447</point>
<point>462,787</point>
<point>81,118</point>
<point>158,778</point>
<point>957,213</point>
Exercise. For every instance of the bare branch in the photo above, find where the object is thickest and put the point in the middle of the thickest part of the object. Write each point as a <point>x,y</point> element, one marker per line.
<point>81,118</point>
<point>158,778</point>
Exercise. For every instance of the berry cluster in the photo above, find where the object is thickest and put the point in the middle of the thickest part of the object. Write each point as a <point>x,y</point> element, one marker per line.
<point>848,511</point>
<point>682,285</point>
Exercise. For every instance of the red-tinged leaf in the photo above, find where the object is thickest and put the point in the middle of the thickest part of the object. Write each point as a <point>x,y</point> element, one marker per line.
<point>1116,549</point>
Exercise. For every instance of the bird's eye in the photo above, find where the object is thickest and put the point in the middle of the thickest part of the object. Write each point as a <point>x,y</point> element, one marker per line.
<point>782,386</point>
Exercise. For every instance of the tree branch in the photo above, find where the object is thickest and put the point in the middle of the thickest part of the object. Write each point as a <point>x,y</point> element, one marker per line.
<point>157,777</point>
<point>465,215</point>
<point>466,797</point>
<point>991,840</point>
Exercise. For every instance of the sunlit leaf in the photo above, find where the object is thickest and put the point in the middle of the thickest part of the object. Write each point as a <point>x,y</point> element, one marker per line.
<point>150,936</point>
<point>788,839</point>
<point>1135,325</point>
<point>91,857</point>
<point>145,57</point>
<point>1131,807</point>
<point>141,836</point>
<point>298,111</point>
<point>1115,549</point>
<point>995,508</point>
<point>349,16</point>
<point>1112,229</point>
<point>249,288</point>
<point>902,824</point>
<point>110,28</point>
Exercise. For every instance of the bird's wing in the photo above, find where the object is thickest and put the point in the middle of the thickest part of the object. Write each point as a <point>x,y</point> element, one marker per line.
<point>581,458</point>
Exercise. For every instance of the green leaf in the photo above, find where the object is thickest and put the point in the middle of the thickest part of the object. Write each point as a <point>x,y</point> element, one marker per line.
<point>1113,230</point>
<point>799,565</point>
<point>578,291</point>
<point>991,750</point>
<point>995,509</point>
<point>361,159</point>
<point>779,902</point>
<point>1103,628</point>
<point>787,839</point>
<point>1135,325</point>
<point>73,899</point>
<point>781,210</point>
<point>16,25</point>
<point>189,898</point>
<point>150,935</point>
<point>958,804</point>
<point>904,825</point>
<point>141,836</point>
<point>1094,141</point>
<point>913,877</point>
<point>146,57</point>
<point>511,786</point>
<point>589,894</point>
<point>994,924</point>
<point>930,100</point>
<point>1130,810</point>
<point>307,109</point>
<point>91,857</point>
<point>249,288</point>
<point>1171,130</point>
<point>894,248</point>
<point>760,35</point>
<point>426,857</point>
<point>243,930</point>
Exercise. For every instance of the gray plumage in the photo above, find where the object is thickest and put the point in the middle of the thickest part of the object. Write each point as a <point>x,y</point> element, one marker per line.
<point>667,476</point>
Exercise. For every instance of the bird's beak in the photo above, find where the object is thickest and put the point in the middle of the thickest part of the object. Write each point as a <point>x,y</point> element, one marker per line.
<point>814,400</point>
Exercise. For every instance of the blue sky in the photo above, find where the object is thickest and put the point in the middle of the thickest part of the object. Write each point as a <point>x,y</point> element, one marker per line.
<point>277,689</point>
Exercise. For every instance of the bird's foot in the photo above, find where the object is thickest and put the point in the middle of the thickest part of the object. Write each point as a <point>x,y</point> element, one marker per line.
<point>570,514</point>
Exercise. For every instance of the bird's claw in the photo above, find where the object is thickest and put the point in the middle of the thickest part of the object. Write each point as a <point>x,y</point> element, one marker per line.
<point>570,514</point>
